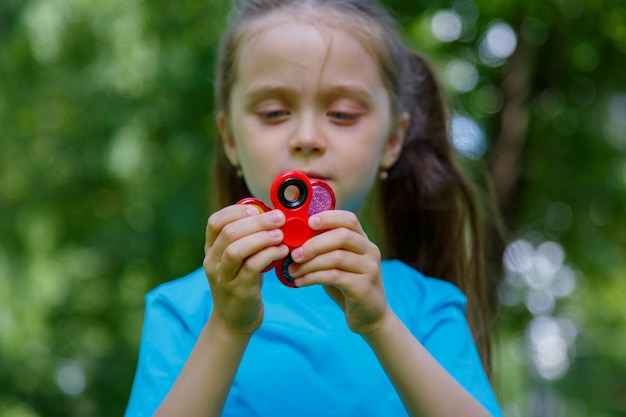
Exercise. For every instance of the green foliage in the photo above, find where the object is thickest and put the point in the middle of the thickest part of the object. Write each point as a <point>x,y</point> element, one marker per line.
<point>106,131</point>
<point>105,110</point>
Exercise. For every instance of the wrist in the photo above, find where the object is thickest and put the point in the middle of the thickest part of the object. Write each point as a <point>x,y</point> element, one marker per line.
<point>219,330</point>
<point>385,328</point>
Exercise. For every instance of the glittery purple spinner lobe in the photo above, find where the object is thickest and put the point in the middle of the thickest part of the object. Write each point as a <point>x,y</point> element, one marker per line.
<point>321,200</point>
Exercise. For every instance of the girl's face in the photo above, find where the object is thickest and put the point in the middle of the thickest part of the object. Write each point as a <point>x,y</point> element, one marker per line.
<point>310,98</point>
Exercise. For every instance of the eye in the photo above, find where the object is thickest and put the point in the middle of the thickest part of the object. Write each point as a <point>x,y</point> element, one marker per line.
<point>344,117</point>
<point>339,115</point>
<point>272,116</point>
<point>345,111</point>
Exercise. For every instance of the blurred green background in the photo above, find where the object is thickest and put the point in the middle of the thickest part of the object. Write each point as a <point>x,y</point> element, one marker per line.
<point>106,127</point>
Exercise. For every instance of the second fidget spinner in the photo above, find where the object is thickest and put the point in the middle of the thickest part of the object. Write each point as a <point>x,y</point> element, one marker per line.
<point>298,197</point>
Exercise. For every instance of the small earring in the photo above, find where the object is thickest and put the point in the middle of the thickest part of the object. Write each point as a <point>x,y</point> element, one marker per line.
<point>239,173</point>
<point>382,174</point>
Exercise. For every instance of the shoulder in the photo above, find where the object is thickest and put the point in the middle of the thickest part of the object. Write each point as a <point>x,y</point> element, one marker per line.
<point>185,299</point>
<point>422,303</point>
<point>405,282</point>
<point>190,284</point>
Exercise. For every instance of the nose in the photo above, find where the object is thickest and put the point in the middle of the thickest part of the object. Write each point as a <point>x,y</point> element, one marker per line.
<point>308,137</point>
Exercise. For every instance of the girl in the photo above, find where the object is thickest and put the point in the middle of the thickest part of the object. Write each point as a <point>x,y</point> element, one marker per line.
<point>326,87</point>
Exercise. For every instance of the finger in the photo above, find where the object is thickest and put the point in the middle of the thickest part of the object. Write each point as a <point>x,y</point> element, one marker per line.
<point>334,239</point>
<point>246,275</point>
<point>251,222</point>
<point>257,262</point>
<point>263,227</point>
<point>252,253</point>
<point>343,281</point>
<point>216,222</point>
<point>341,260</point>
<point>221,218</point>
<point>332,219</point>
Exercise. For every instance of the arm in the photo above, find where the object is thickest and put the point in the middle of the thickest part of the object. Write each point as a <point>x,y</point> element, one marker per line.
<point>240,242</point>
<point>203,384</point>
<point>425,387</point>
<point>348,265</point>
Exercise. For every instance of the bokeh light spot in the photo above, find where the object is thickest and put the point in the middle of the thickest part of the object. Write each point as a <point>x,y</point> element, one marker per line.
<point>548,347</point>
<point>540,301</point>
<point>488,99</point>
<point>499,43</point>
<point>468,10</point>
<point>518,256</point>
<point>467,137</point>
<point>461,75</point>
<point>45,24</point>
<point>534,31</point>
<point>70,377</point>
<point>615,125</point>
<point>559,216</point>
<point>617,108</point>
<point>585,57</point>
<point>446,26</point>
<point>551,103</point>
<point>549,257</point>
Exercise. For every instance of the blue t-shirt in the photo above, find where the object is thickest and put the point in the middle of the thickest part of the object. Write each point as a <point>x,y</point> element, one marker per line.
<point>304,360</point>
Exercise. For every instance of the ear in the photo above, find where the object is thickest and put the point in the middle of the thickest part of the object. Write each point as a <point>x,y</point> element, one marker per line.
<point>228,140</point>
<point>393,147</point>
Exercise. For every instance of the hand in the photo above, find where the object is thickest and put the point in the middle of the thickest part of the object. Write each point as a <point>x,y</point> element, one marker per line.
<point>347,263</point>
<point>240,243</point>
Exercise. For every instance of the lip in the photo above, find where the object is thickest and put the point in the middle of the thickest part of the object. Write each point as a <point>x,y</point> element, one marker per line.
<point>314,175</point>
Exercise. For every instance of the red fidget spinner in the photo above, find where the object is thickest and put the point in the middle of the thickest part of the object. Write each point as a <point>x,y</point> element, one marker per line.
<point>298,197</point>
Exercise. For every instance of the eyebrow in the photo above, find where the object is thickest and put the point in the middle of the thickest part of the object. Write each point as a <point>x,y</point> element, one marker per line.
<point>327,93</point>
<point>269,90</point>
<point>362,95</point>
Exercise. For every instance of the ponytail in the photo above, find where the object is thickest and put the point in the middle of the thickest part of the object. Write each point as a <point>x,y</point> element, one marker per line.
<point>431,217</point>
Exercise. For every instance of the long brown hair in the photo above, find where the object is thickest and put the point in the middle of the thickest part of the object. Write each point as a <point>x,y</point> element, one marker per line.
<point>432,219</point>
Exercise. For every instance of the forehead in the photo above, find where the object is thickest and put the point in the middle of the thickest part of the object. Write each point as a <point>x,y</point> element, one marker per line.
<point>325,19</point>
<point>283,42</point>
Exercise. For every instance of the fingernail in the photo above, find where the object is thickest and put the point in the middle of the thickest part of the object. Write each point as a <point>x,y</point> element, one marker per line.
<point>276,216</point>
<point>292,270</point>
<point>314,221</point>
<point>251,211</point>
<point>284,249</point>
<point>275,233</point>
<point>296,253</point>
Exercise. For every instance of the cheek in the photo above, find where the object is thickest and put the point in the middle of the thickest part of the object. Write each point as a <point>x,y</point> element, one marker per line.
<point>357,180</point>
<point>257,167</point>
<point>368,152</point>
